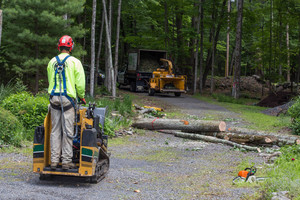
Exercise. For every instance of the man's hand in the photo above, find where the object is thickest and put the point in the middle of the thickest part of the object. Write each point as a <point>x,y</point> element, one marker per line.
<point>82,100</point>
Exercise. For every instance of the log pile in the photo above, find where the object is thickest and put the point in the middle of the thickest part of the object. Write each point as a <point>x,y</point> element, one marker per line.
<point>215,131</point>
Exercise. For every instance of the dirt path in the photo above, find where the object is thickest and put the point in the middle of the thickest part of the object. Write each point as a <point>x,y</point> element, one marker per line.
<point>160,166</point>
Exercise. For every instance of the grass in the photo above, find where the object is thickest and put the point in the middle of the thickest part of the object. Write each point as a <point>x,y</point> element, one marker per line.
<point>252,114</point>
<point>121,107</point>
<point>284,175</point>
<point>119,141</point>
<point>11,87</point>
<point>26,149</point>
<point>162,155</point>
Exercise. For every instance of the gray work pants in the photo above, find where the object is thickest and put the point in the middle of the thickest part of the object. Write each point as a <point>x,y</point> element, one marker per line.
<point>61,144</point>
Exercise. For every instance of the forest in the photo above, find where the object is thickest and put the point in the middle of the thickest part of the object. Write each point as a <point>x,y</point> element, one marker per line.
<point>206,40</point>
<point>203,38</point>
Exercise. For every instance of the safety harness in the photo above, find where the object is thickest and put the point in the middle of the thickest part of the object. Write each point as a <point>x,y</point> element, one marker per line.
<point>60,70</point>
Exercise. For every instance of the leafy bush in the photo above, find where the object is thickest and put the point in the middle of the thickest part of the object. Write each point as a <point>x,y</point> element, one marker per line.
<point>111,125</point>
<point>294,112</point>
<point>30,110</point>
<point>284,175</point>
<point>11,130</point>
<point>124,107</point>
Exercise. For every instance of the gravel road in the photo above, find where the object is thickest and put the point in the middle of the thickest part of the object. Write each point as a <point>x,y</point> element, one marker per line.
<point>146,165</point>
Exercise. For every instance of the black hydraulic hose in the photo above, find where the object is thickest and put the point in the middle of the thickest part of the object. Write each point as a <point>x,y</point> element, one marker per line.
<point>62,113</point>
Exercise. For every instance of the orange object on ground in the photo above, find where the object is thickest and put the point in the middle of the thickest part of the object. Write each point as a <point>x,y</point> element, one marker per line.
<point>243,173</point>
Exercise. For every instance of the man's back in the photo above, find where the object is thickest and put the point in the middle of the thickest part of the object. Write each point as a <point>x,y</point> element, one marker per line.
<point>74,73</point>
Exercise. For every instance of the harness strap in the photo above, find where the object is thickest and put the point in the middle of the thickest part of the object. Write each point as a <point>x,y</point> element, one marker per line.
<point>66,108</point>
<point>61,69</point>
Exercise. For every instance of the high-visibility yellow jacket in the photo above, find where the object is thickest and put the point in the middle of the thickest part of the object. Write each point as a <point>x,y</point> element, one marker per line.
<point>75,77</point>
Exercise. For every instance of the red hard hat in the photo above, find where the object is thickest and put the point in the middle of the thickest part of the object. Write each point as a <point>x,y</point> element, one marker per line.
<point>65,41</point>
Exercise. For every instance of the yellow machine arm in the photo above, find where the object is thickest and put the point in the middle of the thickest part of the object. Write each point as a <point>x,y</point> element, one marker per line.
<point>170,66</point>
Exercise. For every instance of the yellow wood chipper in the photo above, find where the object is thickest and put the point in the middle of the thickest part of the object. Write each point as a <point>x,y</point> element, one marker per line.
<point>164,81</point>
<point>89,146</point>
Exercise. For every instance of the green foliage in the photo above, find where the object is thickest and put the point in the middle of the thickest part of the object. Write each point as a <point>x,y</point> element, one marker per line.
<point>11,129</point>
<point>294,112</point>
<point>113,124</point>
<point>253,115</point>
<point>30,110</point>
<point>284,175</point>
<point>230,99</point>
<point>10,88</point>
<point>123,107</point>
<point>32,29</point>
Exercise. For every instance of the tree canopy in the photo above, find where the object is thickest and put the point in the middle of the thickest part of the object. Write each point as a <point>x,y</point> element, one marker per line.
<point>270,43</point>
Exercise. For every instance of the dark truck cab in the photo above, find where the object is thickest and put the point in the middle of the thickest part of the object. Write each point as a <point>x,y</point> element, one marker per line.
<point>141,64</point>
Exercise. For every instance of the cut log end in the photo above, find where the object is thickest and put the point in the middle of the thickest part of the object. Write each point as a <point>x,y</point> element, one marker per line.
<point>298,141</point>
<point>222,126</point>
<point>268,140</point>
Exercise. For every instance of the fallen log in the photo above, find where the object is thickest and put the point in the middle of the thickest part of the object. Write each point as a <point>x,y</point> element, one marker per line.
<point>276,139</point>
<point>183,125</point>
<point>242,138</point>
<point>214,140</point>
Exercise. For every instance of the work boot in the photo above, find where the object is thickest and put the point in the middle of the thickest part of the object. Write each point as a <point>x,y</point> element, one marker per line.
<point>53,165</point>
<point>69,165</point>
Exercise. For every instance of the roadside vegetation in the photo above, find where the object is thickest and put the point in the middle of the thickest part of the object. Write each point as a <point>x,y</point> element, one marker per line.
<point>249,112</point>
<point>21,112</point>
<point>283,175</point>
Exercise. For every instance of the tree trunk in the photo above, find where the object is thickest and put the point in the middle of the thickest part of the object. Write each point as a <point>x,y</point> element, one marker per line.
<point>288,78</point>
<point>176,124</point>
<point>238,50</point>
<point>213,52</point>
<point>166,25</point>
<point>279,140</point>
<point>271,36</point>
<point>107,69</point>
<point>298,74</point>
<point>227,40</point>
<point>197,49</point>
<point>192,47</point>
<point>117,41</point>
<point>216,37</point>
<point>0,26</point>
<point>179,16</point>
<point>84,39</point>
<point>201,47</point>
<point>92,72</point>
<point>280,47</point>
<point>232,61</point>
<point>99,49</point>
<point>110,64</point>
<point>243,138</point>
<point>214,140</point>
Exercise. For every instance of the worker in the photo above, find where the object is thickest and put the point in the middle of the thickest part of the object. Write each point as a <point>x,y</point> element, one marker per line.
<point>66,82</point>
